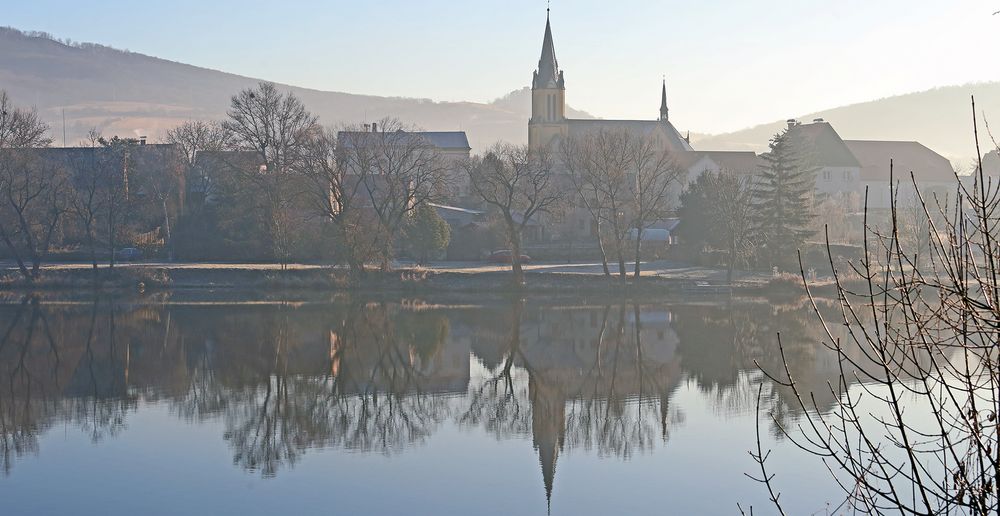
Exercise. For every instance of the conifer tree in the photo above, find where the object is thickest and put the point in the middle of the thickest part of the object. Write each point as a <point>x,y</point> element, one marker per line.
<point>783,196</point>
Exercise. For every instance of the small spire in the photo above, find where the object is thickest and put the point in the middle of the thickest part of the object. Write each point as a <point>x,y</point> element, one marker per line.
<point>664,112</point>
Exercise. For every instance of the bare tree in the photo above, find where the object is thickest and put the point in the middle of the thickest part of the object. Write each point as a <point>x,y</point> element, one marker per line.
<point>31,189</point>
<point>921,436</point>
<point>192,137</point>
<point>655,173</point>
<point>399,172</point>
<point>585,177</point>
<point>114,174</point>
<point>333,193</point>
<point>602,166</point>
<point>277,128</point>
<point>519,184</point>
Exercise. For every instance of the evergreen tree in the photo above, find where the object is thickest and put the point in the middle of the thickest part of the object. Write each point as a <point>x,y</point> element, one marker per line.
<point>783,197</point>
<point>426,233</point>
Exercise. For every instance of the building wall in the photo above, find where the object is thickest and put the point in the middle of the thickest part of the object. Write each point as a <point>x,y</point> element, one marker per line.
<point>831,180</point>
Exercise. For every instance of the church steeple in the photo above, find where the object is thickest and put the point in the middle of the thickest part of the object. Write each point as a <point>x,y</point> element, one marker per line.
<point>664,112</point>
<point>548,95</point>
<point>548,75</point>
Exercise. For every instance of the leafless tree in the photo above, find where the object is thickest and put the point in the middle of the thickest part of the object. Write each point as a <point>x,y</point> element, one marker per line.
<point>654,173</point>
<point>399,171</point>
<point>520,185</point>
<point>31,189</point>
<point>602,165</point>
<point>192,137</point>
<point>733,218</point>
<point>86,204</point>
<point>333,193</point>
<point>920,435</point>
<point>277,128</point>
<point>586,177</point>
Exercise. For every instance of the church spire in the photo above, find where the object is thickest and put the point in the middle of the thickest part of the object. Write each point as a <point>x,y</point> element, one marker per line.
<point>664,112</point>
<point>548,74</point>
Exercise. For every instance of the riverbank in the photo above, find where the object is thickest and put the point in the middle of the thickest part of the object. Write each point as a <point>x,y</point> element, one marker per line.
<point>151,277</point>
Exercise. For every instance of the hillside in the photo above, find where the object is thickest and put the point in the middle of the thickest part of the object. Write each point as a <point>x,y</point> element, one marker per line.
<point>940,119</point>
<point>127,93</point>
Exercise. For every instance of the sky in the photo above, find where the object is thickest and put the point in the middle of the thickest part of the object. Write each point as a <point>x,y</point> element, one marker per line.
<point>729,64</point>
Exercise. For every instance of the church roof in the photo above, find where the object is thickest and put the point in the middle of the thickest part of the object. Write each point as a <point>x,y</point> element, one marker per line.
<point>676,143</point>
<point>548,75</point>
<point>925,164</point>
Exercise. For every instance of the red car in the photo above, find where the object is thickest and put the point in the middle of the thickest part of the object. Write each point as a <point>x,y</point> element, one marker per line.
<point>506,256</point>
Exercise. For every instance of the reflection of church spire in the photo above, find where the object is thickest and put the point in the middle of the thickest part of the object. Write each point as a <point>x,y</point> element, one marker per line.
<point>548,429</point>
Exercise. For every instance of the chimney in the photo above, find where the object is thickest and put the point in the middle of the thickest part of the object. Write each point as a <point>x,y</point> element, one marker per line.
<point>791,123</point>
<point>374,128</point>
<point>818,120</point>
<point>368,127</point>
<point>142,140</point>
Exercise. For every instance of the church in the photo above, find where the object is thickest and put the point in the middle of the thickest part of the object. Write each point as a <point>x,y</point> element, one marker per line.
<point>548,124</point>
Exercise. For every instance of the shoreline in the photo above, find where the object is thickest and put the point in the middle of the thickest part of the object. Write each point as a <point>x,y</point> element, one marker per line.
<point>406,280</point>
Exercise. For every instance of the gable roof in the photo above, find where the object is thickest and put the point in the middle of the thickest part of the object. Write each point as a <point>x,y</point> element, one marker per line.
<point>735,161</point>
<point>991,163</point>
<point>444,140</point>
<point>823,145</point>
<point>925,164</point>
<point>581,127</point>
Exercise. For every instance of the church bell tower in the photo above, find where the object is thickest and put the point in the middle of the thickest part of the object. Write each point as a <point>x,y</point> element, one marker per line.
<point>548,96</point>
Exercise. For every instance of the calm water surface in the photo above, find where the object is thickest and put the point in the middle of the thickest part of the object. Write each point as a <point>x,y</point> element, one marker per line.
<point>345,405</point>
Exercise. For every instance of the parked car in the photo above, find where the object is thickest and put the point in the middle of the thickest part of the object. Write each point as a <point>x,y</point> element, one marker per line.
<point>128,254</point>
<point>506,256</point>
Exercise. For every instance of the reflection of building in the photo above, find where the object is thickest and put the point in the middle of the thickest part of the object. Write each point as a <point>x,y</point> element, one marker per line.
<point>602,361</point>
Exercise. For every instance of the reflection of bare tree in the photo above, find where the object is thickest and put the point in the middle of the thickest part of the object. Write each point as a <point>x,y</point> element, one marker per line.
<point>623,401</point>
<point>358,379</point>
<point>499,403</point>
<point>49,378</point>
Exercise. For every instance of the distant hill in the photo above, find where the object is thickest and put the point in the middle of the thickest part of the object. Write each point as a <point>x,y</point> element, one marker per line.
<point>940,119</point>
<point>126,93</point>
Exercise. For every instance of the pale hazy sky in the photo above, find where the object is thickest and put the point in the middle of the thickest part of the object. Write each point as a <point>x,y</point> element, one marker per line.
<point>729,63</point>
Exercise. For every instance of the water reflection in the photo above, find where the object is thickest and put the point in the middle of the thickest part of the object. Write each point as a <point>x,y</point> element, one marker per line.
<point>380,377</point>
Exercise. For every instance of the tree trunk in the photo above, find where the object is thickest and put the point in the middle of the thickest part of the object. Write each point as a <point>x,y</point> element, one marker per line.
<point>166,226</point>
<point>515,252</point>
<point>638,252</point>
<point>111,239</point>
<point>91,241</point>
<point>17,256</point>
<point>604,252</point>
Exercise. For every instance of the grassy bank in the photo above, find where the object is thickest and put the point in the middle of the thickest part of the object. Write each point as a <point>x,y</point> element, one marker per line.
<point>402,280</point>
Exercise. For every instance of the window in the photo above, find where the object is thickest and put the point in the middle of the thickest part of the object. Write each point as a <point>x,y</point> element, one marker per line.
<point>847,175</point>
<point>827,175</point>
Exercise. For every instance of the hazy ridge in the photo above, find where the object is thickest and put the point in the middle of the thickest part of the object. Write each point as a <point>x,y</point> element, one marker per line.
<point>127,93</point>
<point>940,118</point>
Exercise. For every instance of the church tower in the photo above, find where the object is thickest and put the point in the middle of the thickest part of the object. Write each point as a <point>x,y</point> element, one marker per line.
<point>548,96</point>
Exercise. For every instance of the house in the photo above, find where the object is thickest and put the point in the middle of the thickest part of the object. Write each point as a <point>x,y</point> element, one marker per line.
<point>837,169</point>
<point>451,146</point>
<point>931,172</point>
